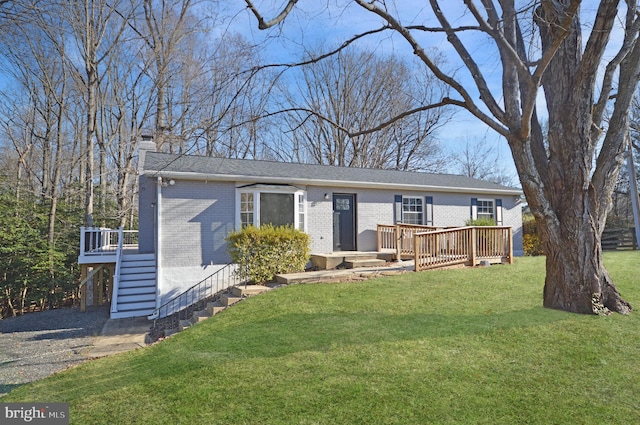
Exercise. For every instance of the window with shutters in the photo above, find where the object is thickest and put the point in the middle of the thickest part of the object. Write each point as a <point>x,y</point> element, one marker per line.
<point>412,210</point>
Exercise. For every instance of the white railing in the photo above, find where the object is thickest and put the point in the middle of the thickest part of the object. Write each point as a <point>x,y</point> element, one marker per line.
<point>116,274</point>
<point>104,242</point>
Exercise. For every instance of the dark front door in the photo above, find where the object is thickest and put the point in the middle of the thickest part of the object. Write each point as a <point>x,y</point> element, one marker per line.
<point>344,222</point>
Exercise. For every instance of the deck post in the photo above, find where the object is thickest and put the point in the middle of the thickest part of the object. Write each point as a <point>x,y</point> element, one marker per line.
<point>416,255</point>
<point>83,289</point>
<point>398,243</point>
<point>510,245</point>
<point>472,250</point>
<point>98,284</point>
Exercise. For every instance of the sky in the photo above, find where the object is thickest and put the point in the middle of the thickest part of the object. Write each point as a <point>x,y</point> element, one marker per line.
<point>330,22</point>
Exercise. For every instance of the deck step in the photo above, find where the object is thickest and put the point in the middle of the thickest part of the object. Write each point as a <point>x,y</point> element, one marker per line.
<point>137,276</point>
<point>131,269</point>
<point>136,290</point>
<point>137,305</point>
<point>137,284</point>
<point>136,298</point>
<point>367,262</point>
<point>131,313</point>
<point>139,257</point>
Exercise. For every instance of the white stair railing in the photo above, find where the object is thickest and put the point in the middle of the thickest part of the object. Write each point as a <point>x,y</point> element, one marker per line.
<point>116,274</point>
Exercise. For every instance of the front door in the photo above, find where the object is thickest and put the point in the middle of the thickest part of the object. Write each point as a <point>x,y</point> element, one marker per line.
<point>344,222</point>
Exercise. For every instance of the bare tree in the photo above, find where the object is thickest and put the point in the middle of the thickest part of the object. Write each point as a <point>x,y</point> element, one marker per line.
<point>164,31</point>
<point>227,97</point>
<point>569,185</point>
<point>480,160</point>
<point>355,90</point>
<point>97,26</point>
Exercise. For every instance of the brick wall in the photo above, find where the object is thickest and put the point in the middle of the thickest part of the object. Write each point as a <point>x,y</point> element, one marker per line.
<point>196,218</point>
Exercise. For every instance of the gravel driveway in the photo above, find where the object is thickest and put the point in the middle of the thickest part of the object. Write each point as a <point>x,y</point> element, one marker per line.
<point>37,345</point>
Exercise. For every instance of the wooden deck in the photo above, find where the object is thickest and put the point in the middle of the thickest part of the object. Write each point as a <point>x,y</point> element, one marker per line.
<point>433,247</point>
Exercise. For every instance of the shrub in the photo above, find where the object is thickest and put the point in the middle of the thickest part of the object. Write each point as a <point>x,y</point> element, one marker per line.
<point>531,242</point>
<point>480,222</point>
<point>268,250</point>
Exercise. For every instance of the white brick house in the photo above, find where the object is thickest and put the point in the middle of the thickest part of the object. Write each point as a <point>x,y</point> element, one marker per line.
<point>189,204</point>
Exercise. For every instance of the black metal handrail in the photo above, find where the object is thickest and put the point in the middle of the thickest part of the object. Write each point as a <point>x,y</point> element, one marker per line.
<point>195,298</point>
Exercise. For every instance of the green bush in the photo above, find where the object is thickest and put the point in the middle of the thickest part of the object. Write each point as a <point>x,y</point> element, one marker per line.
<point>531,242</point>
<point>480,222</point>
<point>268,250</point>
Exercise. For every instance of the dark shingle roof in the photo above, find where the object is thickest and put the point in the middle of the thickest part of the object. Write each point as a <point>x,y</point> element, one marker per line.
<point>243,170</point>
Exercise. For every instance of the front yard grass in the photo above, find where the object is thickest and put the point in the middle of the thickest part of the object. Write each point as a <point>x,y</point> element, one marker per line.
<point>441,347</point>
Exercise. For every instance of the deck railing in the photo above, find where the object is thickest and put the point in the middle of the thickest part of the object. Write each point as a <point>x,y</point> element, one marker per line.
<point>464,245</point>
<point>99,240</point>
<point>399,237</point>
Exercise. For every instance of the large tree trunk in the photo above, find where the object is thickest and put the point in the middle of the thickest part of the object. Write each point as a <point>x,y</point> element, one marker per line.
<point>576,279</point>
<point>570,205</point>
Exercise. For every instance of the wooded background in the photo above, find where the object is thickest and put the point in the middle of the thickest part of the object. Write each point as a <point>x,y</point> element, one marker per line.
<point>82,81</point>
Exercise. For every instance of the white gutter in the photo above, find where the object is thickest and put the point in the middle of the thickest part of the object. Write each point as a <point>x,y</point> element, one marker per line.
<point>330,183</point>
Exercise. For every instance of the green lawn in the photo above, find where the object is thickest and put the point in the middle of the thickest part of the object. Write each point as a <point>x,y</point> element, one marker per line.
<point>442,347</point>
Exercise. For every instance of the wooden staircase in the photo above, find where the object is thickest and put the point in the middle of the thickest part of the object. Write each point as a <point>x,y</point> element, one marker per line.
<point>137,286</point>
<point>237,294</point>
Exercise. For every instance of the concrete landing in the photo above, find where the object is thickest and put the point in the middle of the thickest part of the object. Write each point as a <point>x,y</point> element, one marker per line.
<point>120,335</point>
<point>344,274</point>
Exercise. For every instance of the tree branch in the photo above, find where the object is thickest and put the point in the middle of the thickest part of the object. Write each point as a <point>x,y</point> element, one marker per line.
<point>262,24</point>
<point>468,102</point>
<point>485,94</point>
<point>630,39</point>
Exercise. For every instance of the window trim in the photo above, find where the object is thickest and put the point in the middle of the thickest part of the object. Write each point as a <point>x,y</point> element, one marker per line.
<point>421,213</point>
<point>299,204</point>
<point>475,209</point>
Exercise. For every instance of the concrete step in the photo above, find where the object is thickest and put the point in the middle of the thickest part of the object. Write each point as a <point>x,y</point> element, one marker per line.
<point>248,290</point>
<point>169,332</point>
<point>368,262</point>
<point>215,307</point>
<point>229,299</point>
<point>185,324</point>
<point>199,316</point>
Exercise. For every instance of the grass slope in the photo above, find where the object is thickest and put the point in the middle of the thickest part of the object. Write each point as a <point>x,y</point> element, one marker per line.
<point>443,347</point>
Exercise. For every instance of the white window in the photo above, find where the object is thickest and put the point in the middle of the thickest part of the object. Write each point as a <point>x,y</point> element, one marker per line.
<point>412,210</point>
<point>278,206</point>
<point>246,209</point>
<point>486,209</point>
